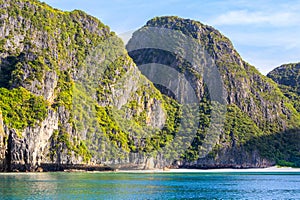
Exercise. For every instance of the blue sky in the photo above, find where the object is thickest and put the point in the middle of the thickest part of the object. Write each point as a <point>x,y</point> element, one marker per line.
<point>266,33</point>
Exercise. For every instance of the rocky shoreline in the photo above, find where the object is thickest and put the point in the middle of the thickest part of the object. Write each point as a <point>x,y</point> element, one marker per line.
<point>48,167</point>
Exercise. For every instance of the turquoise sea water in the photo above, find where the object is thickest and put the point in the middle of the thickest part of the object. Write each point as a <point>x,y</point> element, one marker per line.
<point>150,186</point>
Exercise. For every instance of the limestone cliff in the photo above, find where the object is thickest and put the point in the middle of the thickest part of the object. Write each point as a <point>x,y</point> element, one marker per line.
<point>62,75</point>
<point>255,105</point>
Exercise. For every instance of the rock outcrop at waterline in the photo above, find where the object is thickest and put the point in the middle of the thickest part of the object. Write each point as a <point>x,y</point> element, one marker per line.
<point>70,95</point>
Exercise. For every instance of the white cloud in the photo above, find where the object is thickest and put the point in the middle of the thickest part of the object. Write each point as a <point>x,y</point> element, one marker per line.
<point>282,39</point>
<point>245,17</point>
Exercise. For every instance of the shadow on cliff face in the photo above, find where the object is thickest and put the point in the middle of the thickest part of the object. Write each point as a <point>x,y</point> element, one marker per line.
<point>282,148</point>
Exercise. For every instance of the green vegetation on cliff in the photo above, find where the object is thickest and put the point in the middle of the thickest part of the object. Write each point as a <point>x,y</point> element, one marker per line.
<point>286,148</point>
<point>281,147</point>
<point>288,78</point>
<point>21,109</point>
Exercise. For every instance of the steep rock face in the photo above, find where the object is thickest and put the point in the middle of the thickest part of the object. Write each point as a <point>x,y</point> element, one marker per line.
<point>255,104</point>
<point>288,78</point>
<point>252,92</point>
<point>26,61</point>
<point>82,72</point>
<point>31,148</point>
